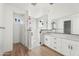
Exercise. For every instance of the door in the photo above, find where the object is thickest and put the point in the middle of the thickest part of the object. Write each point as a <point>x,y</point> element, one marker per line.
<point>67,27</point>
<point>35,37</point>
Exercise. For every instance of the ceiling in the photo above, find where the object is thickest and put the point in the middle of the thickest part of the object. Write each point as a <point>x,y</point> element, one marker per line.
<point>55,10</point>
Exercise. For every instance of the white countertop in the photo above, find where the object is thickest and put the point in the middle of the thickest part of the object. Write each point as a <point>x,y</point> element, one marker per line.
<point>62,35</point>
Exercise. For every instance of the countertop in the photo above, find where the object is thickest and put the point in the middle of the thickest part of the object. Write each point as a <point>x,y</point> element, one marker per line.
<point>61,35</point>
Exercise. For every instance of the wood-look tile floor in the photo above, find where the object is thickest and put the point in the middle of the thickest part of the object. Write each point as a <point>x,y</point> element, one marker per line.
<point>20,50</point>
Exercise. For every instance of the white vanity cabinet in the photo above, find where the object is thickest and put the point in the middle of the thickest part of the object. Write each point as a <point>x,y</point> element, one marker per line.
<point>53,43</point>
<point>64,46</point>
<point>70,48</point>
<point>56,44</point>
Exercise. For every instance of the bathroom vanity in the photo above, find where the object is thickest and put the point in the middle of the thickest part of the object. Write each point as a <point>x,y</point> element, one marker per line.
<point>65,44</point>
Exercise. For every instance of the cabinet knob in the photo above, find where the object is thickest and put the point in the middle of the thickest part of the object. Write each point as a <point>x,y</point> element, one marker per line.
<point>55,42</point>
<point>71,47</point>
<point>46,39</point>
<point>55,38</point>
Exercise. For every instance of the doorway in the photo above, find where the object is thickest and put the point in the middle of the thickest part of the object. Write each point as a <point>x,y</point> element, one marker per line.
<point>18,29</point>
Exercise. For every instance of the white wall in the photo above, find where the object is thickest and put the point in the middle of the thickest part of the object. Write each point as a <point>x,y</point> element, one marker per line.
<point>75,23</point>
<point>60,24</point>
<point>1,25</point>
<point>59,10</point>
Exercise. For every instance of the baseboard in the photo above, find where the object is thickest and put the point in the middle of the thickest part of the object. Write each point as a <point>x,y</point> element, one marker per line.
<point>52,49</point>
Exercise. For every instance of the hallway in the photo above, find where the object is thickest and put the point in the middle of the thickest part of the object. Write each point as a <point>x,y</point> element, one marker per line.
<point>20,50</point>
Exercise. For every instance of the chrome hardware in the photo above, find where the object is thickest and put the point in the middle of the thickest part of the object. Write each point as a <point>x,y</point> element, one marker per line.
<point>46,39</point>
<point>69,46</point>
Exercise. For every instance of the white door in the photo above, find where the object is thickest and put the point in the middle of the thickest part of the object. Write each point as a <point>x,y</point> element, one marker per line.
<point>65,47</point>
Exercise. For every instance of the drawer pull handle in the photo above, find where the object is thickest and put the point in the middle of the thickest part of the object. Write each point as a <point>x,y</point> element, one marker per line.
<point>71,47</point>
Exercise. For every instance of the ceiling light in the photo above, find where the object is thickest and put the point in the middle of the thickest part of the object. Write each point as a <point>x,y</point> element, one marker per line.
<point>51,3</point>
<point>34,4</point>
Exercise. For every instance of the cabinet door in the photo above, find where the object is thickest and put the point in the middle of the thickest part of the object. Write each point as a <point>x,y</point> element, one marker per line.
<point>53,43</point>
<point>75,50</point>
<point>58,45</point>
<point>47,41</point>
<point>65,47</point>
